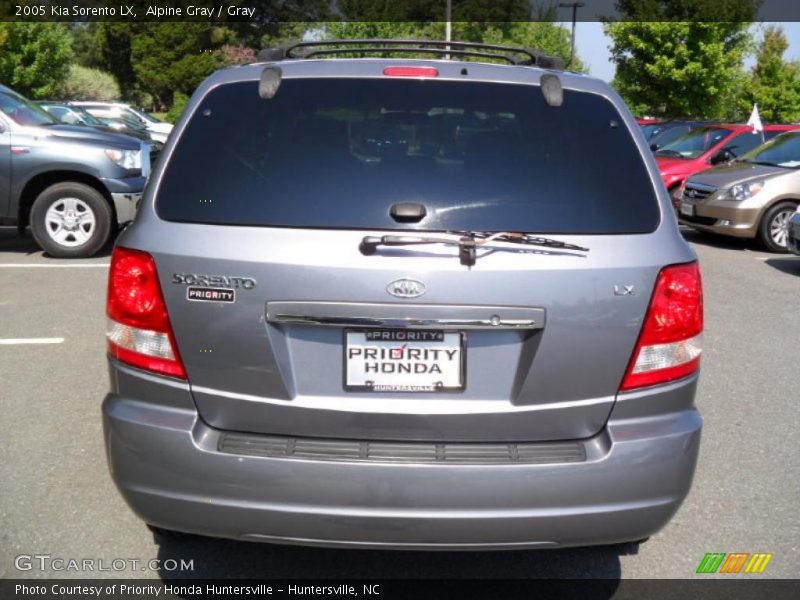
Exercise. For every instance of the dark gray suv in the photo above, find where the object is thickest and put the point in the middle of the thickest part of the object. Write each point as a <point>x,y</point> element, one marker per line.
<point>404,303</point>
<point>73,185</point>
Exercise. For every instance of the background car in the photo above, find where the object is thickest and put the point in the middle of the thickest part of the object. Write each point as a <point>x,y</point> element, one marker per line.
<point>116,110</point>
<point>76,115</point>
<point>649,127</point>
<point>669,131</point>
<point>704,147</point>
<point>71,183</point>
<point>771,131</point>
<point>125,123</point>
<point>753,196</point>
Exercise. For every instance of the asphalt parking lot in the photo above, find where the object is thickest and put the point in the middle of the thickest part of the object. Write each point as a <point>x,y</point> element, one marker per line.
<point>57,498</point>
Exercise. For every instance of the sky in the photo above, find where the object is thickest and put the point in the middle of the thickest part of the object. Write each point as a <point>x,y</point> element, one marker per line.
<point>591,45</point>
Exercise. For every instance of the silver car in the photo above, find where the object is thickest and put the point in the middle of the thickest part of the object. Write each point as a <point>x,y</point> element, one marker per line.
<point>403,303</point>
<point>753,197</point>
<point>158,130</point>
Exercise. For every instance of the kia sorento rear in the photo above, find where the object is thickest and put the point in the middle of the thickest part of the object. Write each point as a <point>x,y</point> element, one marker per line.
<point>397,303</point>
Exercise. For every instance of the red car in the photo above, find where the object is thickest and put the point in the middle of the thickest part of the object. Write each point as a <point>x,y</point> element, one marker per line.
<point>707,146</point>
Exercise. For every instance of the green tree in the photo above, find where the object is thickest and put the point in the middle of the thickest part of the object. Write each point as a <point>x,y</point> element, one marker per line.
<point>547,36</point>
<point>678,69</point>
<point>551,38</point>
<point>774,83</point>
<point>179,103</point>
<point>383,29</point>
<point>740,11</point>
<point>84,83</point>
<point>115,40</point>
<point>34,57</point>
<point>87,44</point>
<point>172,57</point>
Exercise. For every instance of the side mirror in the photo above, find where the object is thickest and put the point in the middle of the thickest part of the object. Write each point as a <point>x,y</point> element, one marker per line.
<point>722,156</point>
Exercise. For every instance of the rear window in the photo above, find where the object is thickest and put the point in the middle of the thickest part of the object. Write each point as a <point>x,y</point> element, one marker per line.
<point>338,153</point>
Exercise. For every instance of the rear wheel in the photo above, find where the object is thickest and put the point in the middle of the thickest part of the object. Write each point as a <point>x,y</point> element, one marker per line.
<point>71,220</point>
<point>773,230</point>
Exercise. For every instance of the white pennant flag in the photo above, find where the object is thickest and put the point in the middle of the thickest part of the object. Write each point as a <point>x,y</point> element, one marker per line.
<point>755,120</point>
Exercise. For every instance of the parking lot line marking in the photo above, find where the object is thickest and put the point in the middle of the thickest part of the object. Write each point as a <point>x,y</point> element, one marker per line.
<point>59,266</point>
<point>16,341</point>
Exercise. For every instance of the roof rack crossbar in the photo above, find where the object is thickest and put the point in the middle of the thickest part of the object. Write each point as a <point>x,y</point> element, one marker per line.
<point>435,51</point>
<point>511,54</point>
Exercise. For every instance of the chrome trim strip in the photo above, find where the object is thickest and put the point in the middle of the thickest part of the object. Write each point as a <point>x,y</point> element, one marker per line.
<point>408,322</point>
<point>414,316</point>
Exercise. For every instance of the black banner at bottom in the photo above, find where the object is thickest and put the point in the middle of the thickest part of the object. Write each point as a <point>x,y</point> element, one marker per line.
<point>399,589</point>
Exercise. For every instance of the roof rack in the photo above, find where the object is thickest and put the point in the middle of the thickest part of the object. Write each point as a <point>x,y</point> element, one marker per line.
<point>510,54</point>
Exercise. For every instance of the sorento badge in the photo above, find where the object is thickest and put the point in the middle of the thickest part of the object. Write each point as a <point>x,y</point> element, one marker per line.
<point>223,281</point>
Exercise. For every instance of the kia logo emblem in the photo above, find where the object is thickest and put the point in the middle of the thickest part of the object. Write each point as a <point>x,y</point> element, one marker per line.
<point>406,288</point>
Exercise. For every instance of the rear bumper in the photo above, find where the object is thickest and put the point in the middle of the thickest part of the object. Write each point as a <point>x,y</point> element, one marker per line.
<point>166,463</point>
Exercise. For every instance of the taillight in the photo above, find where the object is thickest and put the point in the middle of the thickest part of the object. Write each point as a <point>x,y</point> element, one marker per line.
<point>411,72</point>
<point>138,329</point>
<point>670,342</point>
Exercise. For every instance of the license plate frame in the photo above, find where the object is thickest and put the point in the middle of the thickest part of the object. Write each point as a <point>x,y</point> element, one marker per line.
<point>687,209</point>
<point>413,388</point>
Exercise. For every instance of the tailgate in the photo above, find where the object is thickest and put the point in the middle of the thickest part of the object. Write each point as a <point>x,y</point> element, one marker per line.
<point>543,340</point>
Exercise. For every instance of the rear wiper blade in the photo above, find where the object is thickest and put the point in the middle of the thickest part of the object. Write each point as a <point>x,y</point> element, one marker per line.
<point>468,242</point>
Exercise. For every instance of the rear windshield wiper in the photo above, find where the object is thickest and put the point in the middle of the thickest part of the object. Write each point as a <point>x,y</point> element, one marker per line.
<point>468,242</point>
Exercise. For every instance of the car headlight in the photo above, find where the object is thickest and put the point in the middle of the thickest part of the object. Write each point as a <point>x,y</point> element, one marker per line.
<point>127,159</point>
<point>743,191</point>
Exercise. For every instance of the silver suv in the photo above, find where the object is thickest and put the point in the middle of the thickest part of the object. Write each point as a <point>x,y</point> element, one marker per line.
<point>404,303</point>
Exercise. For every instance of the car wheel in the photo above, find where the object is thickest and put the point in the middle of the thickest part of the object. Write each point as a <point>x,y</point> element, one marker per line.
<point>773,230</point>
<point>71,220</point>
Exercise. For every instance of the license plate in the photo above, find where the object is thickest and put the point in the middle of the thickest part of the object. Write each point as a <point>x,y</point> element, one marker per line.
<point>687,209</point>
<point>400,360</point>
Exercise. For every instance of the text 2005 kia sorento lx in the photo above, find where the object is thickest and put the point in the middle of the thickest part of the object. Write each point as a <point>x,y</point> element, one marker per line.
<point>404,303</point>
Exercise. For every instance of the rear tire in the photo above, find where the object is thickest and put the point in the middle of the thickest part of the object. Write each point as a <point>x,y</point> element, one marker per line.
<point>71,220</point>
<point>773,229</point>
